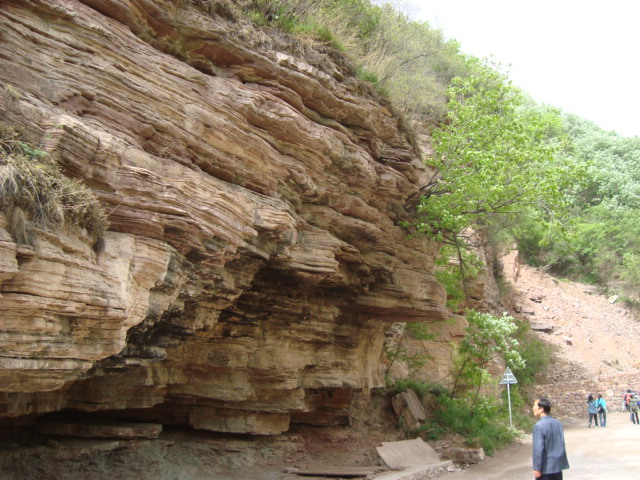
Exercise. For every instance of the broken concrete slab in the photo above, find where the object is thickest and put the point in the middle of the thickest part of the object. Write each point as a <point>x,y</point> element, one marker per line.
<point>407,453</point>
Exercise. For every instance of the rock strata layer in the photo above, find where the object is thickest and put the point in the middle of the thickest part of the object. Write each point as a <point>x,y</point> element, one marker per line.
<point>254,257</point>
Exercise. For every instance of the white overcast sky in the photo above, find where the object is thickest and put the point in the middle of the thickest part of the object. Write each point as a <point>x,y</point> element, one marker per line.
<point>581,56</point>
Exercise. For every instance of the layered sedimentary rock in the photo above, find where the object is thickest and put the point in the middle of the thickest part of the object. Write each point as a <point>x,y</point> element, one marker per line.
<point>254,256</point>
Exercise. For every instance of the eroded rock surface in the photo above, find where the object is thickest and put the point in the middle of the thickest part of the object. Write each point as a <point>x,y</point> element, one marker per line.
<point>254,257</point>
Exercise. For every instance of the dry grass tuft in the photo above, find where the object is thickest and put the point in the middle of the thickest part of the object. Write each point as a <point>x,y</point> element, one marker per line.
<point>33,190</point>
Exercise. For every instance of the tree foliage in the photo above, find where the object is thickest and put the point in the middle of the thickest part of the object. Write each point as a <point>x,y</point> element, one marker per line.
<point>496,158</point>
<point>613,164</point>
<point>486,339</point>
<point>602,242</point>
<point>491,158</point>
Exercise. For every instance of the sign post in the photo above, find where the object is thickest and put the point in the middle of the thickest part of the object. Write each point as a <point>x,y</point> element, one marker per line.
<point>508,379</point>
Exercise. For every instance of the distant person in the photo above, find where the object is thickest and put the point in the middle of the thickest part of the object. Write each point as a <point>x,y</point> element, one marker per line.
<point>601,408</point>
<point>633,409</point>
<point>625,399</point>
<point>549,453</point>
<point>591,410</point>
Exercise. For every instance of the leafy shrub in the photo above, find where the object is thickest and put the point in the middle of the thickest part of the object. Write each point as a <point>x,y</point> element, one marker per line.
<point>364,74</point>
<point>455,268</point>
<point>431,430</point>
<point>535,352</point>
<point>520,408</point>
<point>482,422</point>
<point>466,408</point>
<point>420,388</point>
<point>487,338</point>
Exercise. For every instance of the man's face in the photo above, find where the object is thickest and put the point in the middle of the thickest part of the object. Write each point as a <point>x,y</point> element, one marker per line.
<point>537,411</point>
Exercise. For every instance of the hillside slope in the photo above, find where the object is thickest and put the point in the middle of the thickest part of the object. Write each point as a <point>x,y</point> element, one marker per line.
<point>594,335</point>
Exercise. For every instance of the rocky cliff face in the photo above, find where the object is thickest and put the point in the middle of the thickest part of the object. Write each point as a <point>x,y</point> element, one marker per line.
<point>254,258</point>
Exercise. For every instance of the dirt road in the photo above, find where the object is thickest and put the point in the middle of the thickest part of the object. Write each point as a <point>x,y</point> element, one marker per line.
<point>594,453</point>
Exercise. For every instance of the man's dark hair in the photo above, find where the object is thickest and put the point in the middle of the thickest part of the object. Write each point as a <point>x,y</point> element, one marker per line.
<point>545,404</point>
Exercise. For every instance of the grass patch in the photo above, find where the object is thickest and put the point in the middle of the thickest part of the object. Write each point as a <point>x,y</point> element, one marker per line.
<point>420,388</point>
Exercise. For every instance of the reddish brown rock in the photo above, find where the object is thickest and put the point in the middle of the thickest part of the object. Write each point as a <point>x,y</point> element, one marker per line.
<point>254,258</point>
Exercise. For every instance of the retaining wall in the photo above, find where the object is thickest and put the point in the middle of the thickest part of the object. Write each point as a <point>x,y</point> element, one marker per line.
<point>569,399</point>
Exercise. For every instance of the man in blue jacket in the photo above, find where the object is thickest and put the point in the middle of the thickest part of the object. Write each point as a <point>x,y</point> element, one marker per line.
<point>549,454</point>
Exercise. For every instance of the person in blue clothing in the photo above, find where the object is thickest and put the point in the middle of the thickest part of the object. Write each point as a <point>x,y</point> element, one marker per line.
<point>591,410</point>
<point>549,453</point>
<point>601,407</point>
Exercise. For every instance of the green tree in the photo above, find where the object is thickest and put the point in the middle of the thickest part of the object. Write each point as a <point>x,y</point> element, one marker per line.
<point>612,162</point>
<point>494,157</point>
<point>487,338</point>
<point>489,159</point>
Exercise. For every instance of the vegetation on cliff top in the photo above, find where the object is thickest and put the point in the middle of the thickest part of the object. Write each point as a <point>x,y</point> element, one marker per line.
<point>409,63</point>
